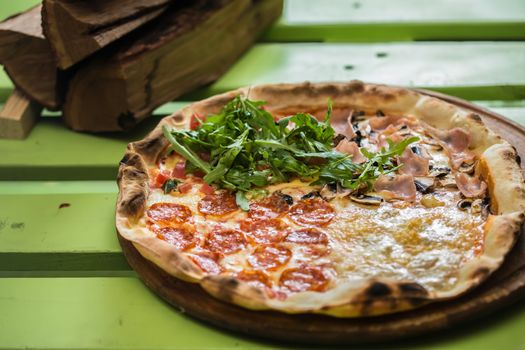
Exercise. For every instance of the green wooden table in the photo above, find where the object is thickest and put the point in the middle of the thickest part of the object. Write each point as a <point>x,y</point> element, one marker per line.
<point>64,282</point>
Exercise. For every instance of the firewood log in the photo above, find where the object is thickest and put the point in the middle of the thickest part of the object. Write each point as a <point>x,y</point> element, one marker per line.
<point>18,116</point>
<point>78,28</point>
<point>28,59</point>
<point>183,49</point>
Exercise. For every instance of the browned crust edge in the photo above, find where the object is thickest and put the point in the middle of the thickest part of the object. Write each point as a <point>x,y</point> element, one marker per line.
<point>498,165</point>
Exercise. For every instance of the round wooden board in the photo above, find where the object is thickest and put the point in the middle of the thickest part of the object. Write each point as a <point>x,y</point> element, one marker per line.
<point>505,286</point>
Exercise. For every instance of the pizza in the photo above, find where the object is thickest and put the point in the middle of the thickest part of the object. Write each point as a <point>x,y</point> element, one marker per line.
<point>345,199</point>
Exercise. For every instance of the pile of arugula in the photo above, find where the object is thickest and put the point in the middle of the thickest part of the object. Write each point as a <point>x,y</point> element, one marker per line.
<point>248,150</point>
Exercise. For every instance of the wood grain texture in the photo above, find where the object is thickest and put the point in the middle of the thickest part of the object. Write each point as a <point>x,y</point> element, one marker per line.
<point>18,116</point>
<point>28,60</point>
<point>183,49</point>
<point>505,286</point>
<point>76,29</point>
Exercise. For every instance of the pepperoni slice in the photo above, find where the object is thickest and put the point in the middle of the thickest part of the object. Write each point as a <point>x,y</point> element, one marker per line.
<point>273,206</point>
<point>167,213</point>
<point>182,238</point>
<point>312,212</point>
<point>207,262</point>
<point>303,279</point>
<point>269,257</point>
<point>263,231</point>
<point>225,241</point>
<point>307,236</point>
<point>220,203</point>
<point>255,278</point>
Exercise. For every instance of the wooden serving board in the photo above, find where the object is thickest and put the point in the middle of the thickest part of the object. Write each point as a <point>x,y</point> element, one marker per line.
<point>505,286</point>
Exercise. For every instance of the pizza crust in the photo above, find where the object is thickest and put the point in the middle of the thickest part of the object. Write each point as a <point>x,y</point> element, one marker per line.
<point>498,166</point>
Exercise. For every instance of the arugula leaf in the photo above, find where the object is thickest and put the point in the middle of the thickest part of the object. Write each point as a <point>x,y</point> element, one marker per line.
<point>185,151</point>
<point>226,160</point>
<point>248,150</point>
<point>242,201</point>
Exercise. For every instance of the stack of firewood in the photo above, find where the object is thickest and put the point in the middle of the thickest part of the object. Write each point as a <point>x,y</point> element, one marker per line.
<point>107,64</point>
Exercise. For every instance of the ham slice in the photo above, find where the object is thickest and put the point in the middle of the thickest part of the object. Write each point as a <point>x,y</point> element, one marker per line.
<point>413,164</point>
<point>351,148</point>
<point>382,123</point>
<point>344,126</point>
<point>456,143</point>
<point>396,187</point>
<point>381,139</point>
<point>470,186</point>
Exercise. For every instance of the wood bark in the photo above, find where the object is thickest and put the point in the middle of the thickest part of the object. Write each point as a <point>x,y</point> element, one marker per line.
<point>78,28</point>
<point>184,48</point>
<point>28,59</point>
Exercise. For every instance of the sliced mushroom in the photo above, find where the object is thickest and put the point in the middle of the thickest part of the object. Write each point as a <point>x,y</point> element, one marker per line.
<point>439,172</point>
<point>467,168</point>
<point>436,147</point>
<point>431,202</point>
<point>286,197</point>
<point>311,195</point>
<point>338,138</point>
<point>424,184</point>
<point>416,150</point>
<point>366,199</point>
<point>448,182</point>
<point>433,144</point>
<point>359,116</point>
<point>476,206</point>
<point>329,191</point>
<point>358,137</point>
<point>464,204</point>
<point>405,131</point>
<point>485,206</point>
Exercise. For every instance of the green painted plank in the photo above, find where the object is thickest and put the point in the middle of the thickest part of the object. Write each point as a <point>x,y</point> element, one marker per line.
<point>65,231</point>
<point>65,222</point>
<point>120,313</point>
<point>57,187</point>
<point>482,71</point>
<point>403,11</point>
<point>379,20</point>
<point>8,8</point>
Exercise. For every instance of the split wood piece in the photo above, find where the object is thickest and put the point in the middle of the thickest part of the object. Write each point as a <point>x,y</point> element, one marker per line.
<point>28,59</point>
<point>76,29</point>
<point>18,116</point>
<point>183,49</point>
